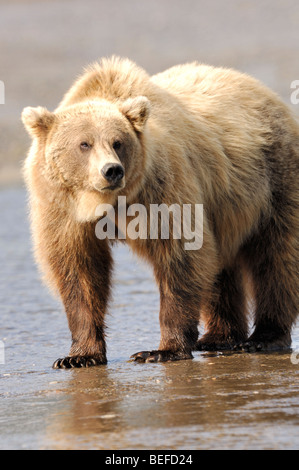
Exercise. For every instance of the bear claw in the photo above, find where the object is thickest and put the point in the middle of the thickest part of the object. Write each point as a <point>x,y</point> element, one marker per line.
<point>261,346</point>
<point>214,346</point>
<point>248,346</point>
<point>76,362</point>
<point>159,356</point>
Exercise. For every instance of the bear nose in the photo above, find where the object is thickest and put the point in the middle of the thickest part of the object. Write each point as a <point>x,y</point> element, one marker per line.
<point>113,172</point>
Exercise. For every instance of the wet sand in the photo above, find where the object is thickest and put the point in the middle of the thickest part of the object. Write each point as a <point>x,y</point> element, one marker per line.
<point>216,401</point>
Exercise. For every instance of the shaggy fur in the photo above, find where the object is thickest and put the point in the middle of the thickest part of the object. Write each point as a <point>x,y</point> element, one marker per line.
<point>193,134</point>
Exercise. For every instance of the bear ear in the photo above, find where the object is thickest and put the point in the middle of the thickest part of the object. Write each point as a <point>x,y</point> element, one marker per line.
<point>137,110</point>
<point>37,121</point>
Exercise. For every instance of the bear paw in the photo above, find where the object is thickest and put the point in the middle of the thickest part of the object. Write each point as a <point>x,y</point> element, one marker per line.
<point>160,356</point>
<point>265,341</point>
<point>71,362</point>
<point>261,346</point>
<point>218,342</point>
<point>216,345</point>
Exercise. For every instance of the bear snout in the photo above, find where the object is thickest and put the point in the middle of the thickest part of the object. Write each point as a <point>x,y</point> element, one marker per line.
<point>113,173</point>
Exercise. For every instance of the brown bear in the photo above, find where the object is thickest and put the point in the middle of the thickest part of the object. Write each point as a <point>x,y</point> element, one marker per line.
<point>193,134</point>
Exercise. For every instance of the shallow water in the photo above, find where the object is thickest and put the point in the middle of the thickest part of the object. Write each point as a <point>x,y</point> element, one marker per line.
<point>216,401</point>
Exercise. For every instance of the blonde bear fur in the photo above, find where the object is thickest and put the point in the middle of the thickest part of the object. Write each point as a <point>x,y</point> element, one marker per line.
<point>193,134</point>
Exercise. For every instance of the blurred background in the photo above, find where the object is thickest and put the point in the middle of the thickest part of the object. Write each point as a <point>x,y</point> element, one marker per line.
<point>44,46</point>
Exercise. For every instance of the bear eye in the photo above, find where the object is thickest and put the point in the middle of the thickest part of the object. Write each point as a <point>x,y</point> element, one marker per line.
<point>116,145</point>
<point>85,146</point>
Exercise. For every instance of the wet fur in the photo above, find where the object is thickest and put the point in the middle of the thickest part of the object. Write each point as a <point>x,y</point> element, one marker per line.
<point>213,136</point>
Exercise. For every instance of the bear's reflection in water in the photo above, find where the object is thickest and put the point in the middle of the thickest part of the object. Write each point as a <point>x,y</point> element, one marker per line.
<point>216,401</point>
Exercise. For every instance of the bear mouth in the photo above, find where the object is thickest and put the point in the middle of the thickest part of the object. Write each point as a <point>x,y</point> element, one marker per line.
<point>112,187</point>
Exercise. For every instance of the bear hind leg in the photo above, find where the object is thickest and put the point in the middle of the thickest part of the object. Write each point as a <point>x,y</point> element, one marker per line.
<point>274,259</point>
<point>225,318</point>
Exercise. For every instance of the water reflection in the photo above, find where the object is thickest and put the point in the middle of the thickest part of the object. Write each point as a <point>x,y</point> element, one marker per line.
<point>215,401</point>
<point>207,403</point>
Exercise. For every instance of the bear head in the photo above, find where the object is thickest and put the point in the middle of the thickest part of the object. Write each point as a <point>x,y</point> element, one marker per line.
<point>94,149</point>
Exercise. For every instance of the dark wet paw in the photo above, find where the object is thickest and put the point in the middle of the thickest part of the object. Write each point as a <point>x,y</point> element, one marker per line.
<point>249,346</point>
<point>262,346</point>
<point>71,362</point>
<point>160,356</point>
<point>213,346</point>
<point>212,343</point>
<point>266,340</point>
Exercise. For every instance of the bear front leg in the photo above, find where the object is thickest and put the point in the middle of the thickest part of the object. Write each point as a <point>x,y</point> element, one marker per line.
<point>180,294</point>
<point>80,267</point>
<point>179,333</point>
<point>85,294</point>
